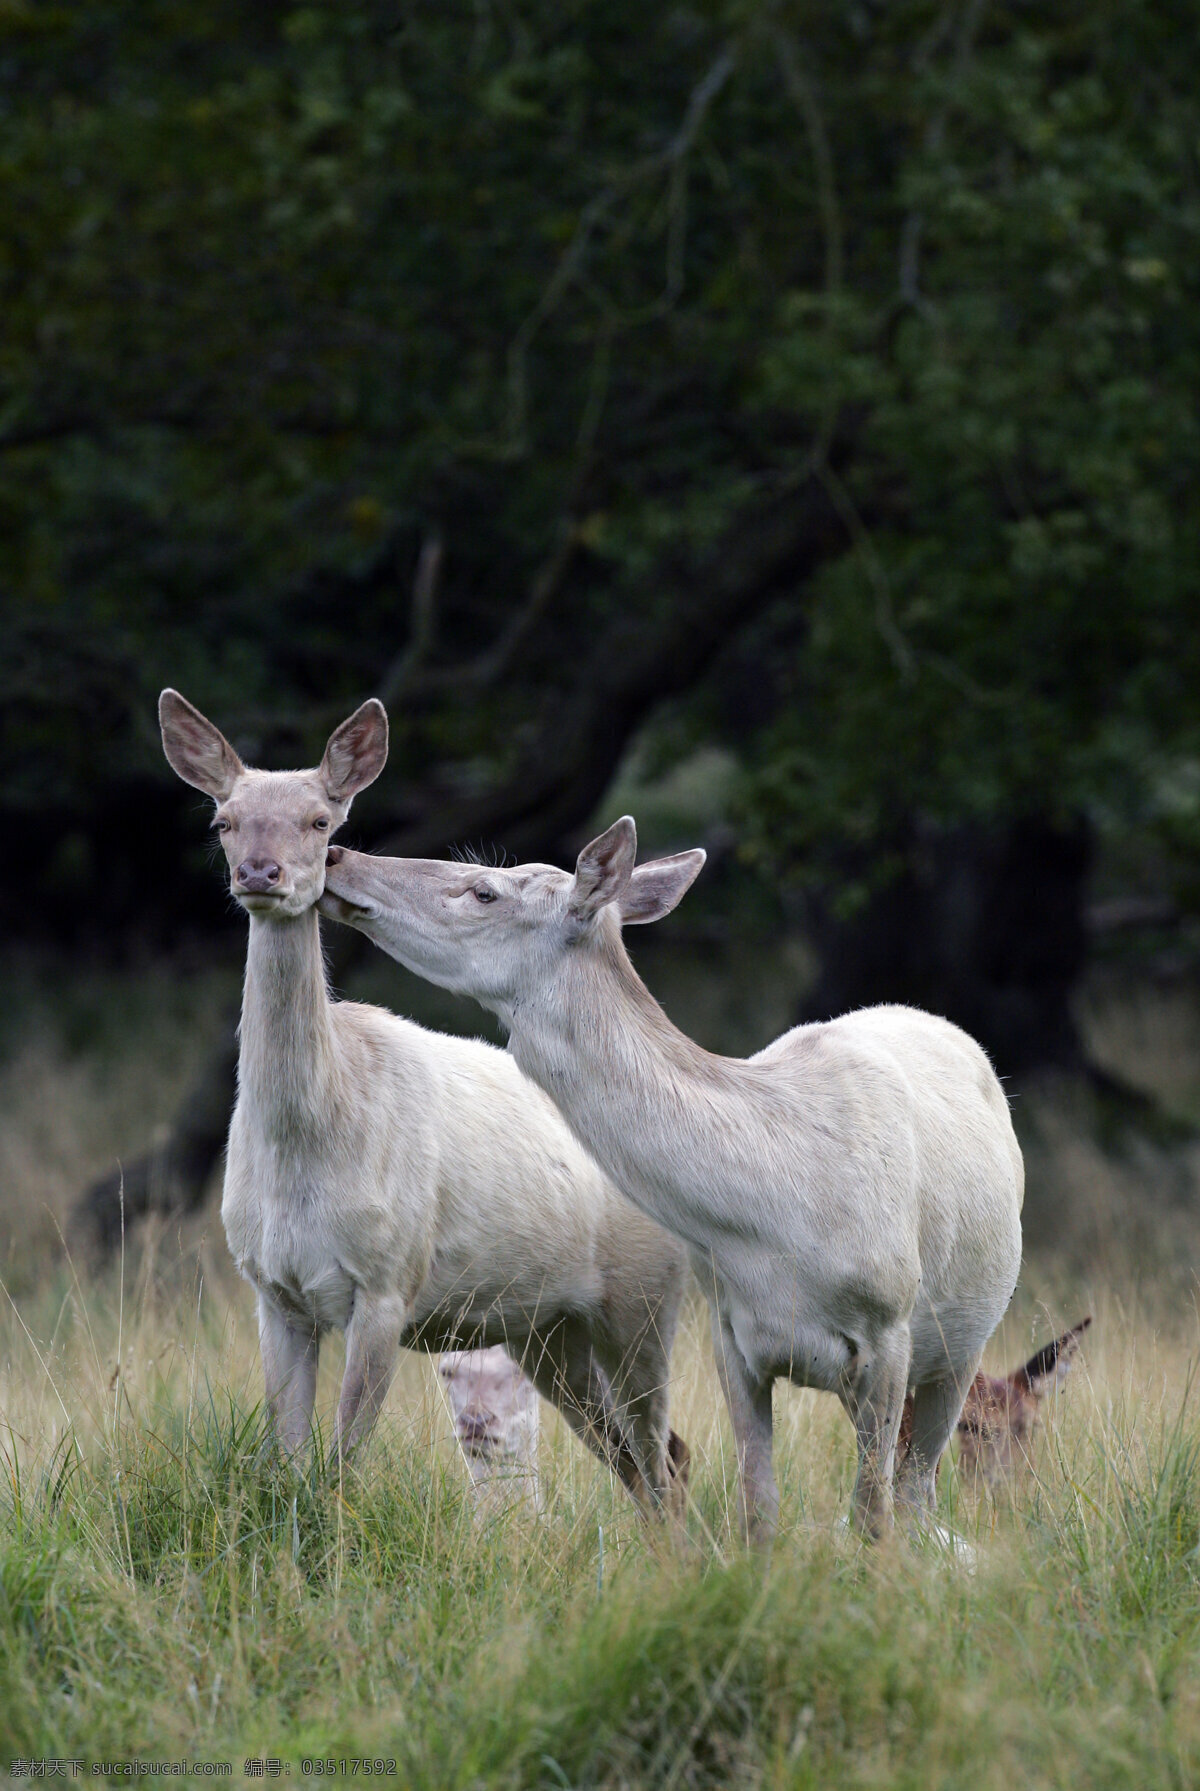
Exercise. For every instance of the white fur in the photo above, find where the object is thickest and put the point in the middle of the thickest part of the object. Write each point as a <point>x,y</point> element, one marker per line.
<point>850,1196</point>
<point>403,1186</point>
<point>494,1408</point>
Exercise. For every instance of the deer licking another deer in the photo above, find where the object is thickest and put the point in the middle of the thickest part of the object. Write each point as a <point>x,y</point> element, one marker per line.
<point>402,1186</point>
<point>850,1196</point>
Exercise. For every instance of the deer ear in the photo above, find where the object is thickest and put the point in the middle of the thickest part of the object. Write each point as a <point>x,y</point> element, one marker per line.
<point>603,869</point>
<point>196,751</point>
<point>655,888</point>
<point>356,752</point>
<point>1051,1365</point>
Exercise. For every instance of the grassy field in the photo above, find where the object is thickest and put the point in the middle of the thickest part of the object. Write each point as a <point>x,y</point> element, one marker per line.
<point>167,1591</point>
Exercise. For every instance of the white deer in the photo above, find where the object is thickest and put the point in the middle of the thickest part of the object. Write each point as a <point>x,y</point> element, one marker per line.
<point>495,1412</point>
<point>850,1196</point>
<point>402,1186</point>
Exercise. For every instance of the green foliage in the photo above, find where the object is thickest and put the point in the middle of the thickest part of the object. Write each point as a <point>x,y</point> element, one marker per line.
<point>1014,626</point>
<point>577,290</point>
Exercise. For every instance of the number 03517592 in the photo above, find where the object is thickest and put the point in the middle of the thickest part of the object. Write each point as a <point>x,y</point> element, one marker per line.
<point>346,1768</point>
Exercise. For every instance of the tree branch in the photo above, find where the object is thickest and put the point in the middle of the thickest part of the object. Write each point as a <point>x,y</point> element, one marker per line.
<point>636,665</point>
<point>422,624</point>
<point>670,160</point>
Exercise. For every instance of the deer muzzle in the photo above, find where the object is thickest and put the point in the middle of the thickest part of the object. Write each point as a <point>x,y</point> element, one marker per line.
<point>257,876</point>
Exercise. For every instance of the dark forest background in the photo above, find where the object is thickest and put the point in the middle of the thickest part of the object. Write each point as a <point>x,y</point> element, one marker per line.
<point>790,407</point>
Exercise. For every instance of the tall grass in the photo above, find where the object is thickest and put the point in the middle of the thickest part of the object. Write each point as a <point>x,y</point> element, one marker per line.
<point>169,1589</point>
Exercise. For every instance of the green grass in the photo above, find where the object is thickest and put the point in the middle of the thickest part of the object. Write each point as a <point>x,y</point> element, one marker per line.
<point>168,1588</point>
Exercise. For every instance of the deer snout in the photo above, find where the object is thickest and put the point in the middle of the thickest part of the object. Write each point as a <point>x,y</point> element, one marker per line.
<point>474,1427</point>
<point>257,876</point>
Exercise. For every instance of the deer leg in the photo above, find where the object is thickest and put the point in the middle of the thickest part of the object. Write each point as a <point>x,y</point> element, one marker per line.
<point>289,1358</point>
<point>749,1403</point>
<point>372,1339</point>
<point>935,1410</point>
<point>873,1394</point>
<point>639,1379</point>
<point>562,1366</point>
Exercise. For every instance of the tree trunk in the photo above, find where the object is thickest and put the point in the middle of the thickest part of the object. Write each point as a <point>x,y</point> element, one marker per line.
<point>985,926</point>
<point>173,1174</point>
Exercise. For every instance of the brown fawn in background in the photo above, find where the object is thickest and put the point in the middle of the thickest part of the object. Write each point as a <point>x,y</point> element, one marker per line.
<point>995,1428</point>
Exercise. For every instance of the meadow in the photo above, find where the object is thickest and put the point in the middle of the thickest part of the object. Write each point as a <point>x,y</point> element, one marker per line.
<point>168,1591</point>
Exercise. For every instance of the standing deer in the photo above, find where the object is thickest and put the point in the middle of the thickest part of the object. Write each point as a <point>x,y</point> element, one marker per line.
<point>401,1186</point>
<point>850,1196</point>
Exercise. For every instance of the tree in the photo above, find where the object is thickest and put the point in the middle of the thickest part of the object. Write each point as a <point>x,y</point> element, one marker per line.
<point>827,373</point>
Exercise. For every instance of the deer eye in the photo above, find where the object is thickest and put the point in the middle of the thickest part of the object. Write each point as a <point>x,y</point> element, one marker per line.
<point>483,893</point>
<point>220,825</point>
<point>321,822</point>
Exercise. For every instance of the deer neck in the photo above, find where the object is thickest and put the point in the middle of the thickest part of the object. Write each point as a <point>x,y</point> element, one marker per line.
<point>287,1068</point>
<point>646,1100</point>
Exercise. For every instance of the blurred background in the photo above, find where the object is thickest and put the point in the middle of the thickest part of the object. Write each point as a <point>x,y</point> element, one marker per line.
<point>775,420</point>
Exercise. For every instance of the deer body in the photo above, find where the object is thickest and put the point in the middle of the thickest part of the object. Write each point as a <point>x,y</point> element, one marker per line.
<point>850,1196</point>
<point>859,1151</point>
<point>452,1132</point>
<point>402,1186</point>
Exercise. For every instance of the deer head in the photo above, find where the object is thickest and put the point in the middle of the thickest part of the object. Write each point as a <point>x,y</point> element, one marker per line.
<point>274,826</point>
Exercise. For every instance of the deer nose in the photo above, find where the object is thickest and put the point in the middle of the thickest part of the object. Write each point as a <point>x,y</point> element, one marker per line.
<point>334,855</point>
<point>473,1427</point>
<point>257,876</point>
